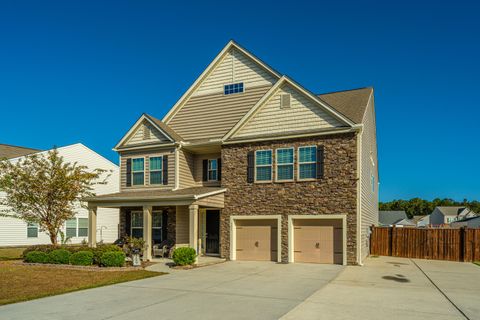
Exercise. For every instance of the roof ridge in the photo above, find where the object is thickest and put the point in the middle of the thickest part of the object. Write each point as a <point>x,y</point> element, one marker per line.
<point>348,90</point>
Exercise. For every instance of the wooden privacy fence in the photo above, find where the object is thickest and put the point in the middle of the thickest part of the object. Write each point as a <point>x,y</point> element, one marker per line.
<point>437,244</point>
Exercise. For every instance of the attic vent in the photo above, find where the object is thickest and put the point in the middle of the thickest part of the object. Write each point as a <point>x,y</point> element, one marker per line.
<point>146,132</point>
<point>285,101</point>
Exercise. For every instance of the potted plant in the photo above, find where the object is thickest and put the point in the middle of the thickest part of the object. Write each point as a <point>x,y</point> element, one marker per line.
<point>133,248</point>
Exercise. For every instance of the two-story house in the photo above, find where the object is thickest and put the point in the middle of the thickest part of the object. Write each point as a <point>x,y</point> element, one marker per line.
<point>250,165</point>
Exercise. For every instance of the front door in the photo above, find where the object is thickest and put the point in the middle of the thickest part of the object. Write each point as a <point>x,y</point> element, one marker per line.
<point>212,236</point>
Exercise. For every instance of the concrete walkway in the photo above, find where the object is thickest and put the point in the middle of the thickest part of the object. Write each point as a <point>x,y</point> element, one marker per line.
<point>397,288</point>
<point>230,290</point>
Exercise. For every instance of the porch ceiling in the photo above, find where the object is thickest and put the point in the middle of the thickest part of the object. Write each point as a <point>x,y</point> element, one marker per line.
<point>185,196</point>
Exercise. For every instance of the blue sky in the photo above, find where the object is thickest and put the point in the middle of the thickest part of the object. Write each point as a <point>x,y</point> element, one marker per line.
<point>84,71</point>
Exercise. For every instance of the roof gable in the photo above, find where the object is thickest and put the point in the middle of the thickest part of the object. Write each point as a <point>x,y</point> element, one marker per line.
<point>9,152</point>
<point>232,64</point>
<point>306,113</point>
<point>148,130</point>
<point>350,103</point>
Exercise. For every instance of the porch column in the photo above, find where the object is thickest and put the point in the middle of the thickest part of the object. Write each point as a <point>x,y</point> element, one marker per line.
<point>92,226</point>
<point>193,226</point>
<point>147,232</point>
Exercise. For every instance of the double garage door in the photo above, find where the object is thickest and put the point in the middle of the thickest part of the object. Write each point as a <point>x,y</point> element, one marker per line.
<point>314,240</point>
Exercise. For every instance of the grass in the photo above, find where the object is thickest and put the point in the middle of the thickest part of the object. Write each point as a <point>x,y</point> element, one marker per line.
<point>20,283</point>
<point>11,253</point>
<point>477,263</point>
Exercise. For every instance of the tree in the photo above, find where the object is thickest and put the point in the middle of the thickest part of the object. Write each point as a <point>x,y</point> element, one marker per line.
<point>417,206</point>
<point>44,189</point>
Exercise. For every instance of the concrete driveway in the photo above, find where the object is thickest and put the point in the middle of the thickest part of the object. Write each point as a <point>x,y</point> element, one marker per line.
<point>231,290</point>
<point>397,288</point>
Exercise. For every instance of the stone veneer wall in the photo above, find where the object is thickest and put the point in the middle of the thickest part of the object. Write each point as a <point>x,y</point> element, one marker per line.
<point>336,193</point>
<point>171,220</point>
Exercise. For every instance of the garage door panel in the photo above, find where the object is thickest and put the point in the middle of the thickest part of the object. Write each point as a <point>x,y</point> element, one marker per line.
<point>256,242</point>
<point>317,241</point>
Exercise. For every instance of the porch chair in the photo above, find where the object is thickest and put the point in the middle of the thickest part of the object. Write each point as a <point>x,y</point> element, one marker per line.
<point>163,249</point>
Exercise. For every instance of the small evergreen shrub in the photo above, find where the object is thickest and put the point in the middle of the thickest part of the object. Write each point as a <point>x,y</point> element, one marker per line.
<point>82,258</point>
<point>113,259</point>
<point>47,248</point>
<point>36,257</point>
<point>59,256</point>
<point>184,256</point>
<point>101,249</point>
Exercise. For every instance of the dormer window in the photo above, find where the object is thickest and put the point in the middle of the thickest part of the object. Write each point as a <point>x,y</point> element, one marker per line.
<point>233,88</point>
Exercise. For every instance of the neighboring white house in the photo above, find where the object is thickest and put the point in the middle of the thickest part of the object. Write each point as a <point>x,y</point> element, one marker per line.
<point>394,218</point>
<point>15,232</point>
<point>446,215</point>
<point>472,222</point>
<point>421,221</point>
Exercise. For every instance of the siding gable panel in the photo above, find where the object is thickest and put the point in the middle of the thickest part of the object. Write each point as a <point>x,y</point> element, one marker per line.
<point>146,133</point>
<point>303,114</point>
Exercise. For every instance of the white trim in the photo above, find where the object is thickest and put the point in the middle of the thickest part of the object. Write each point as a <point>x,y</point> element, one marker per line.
<point>131,224</point>
<point>262,165</point>
<point>231,44</point>
<point>293,136</point>
<point>150,170</point>
<point>285,164</point>
<point>208,170</point>
<point>144,172</point>
<point>177,167</point>
<point>233,232</point>
<point>315,162</point>
<point>342,217</point>
<point>134,127</point>
<point>359,196</point>
<point>212,193</point>
<point>284,79</point>
<point>147,146</point>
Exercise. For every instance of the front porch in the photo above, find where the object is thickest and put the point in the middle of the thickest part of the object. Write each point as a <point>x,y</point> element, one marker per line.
<point>187,217</point>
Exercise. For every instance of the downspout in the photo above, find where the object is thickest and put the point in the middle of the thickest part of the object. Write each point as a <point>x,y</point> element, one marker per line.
<point>359,195</point>
<point>177,167</point>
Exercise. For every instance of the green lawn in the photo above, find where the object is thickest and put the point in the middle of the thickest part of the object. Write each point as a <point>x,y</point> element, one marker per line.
<point>477,263</point>
<point>19,282</point>
<point>11,253</point>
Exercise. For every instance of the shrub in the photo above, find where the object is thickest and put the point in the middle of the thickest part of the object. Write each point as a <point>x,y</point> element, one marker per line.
<point>82,258</point>
<point>184,256</point>
<point>47,248</point>
<point>101,249</point>
<point>36,257</point>
<point>113,259</point>
<point>59,256</point>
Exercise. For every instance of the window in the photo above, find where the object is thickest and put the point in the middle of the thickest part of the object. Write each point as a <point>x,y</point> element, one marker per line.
<point>157,226</point>
<point>32,230</point>
<point>156,170</point>
<point>212,169</point>
<point>136,224</point>
<point>263,165</point>
<point>233,88</point>
<point>307,163</point>
<point>285,164</point>
<point>83,227</point>
<point>137,171</point>
<point>71,228</point>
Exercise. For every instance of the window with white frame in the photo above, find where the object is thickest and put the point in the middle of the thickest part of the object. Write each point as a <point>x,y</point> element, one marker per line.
<point>138,168</point>
<point>136,224</point>
<point>32,230</point>
<point>212,169</point>
<point>233,88</point>
<point>157,226</point>
<point>83,227</point>
<point>284,160</point>
<point>71,228</point>
<point>156,164</point>
<point>263,165</point>
<point>307,162</point>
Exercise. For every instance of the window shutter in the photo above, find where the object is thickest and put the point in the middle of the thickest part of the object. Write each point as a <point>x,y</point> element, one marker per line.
<point>129,172</point>
<point>205,170</point>
<point>128,222</point>
<point>320,162</point>
<point>219,169</point>
<point>165,169</point>
<point>164,225</point>
<point>250,166</point>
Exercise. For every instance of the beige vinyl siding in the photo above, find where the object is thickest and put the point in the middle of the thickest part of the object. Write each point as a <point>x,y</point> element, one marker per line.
<point>303,114</point>
<point>234,67</point>
<point>198,170</point>
<point>216,201</point>
<point>147,154</point>
<point>186,168</point>
<point>213,115</point>
<point>182,226</point>
<point>138,136</point>
<point>369,199</point>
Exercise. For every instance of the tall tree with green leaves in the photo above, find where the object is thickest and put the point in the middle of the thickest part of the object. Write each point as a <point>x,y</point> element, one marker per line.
<point>44,189</point>
<point>417,206</point>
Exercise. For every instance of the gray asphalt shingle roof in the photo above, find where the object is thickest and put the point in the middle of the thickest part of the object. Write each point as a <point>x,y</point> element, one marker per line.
<point>9,151</point>
<point>391,217</point>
